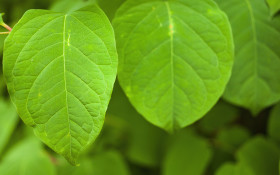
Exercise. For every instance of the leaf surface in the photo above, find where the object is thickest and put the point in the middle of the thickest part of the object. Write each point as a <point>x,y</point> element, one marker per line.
<point>175,58</point>
<point>60,70</point>
<point>255,81</point>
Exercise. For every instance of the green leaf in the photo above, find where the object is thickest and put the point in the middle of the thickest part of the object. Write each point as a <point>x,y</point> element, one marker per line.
<point>274,6</point>
<point>8,122</point>
<point>172,68</point>
<point>234,169</point>
<point>260,155</point>
<point>70,5</point>
<point>255,79</point>
<point>273,128</point>
<point>60,70</point>
<point>187,154</point>
<point>27,158</point>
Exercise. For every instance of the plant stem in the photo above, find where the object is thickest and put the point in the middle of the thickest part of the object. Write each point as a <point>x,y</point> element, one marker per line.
<point>7,27</point>
<point>4,33</point>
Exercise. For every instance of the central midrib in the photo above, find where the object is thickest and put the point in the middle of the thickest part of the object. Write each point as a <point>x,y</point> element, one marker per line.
<point>255,41</point>
<point>171,34</point>
<point>65,83</point>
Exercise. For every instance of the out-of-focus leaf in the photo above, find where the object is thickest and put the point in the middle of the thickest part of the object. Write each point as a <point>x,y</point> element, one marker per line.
<point>255,80</point>
<point>260,155</point>
<point>218,117</point>
<point>70,5</point>
<point>144,139</point>
<point>230,139</point>
<point>8,121</point>
<point>274,6</point>
<point>219,157</point>
<point>234,169</point>
<point>27,158</point>
<point>106,163</point>
<point>187,154</point>
<point>110,6</point>
<point>274,124</point>
<point>2,84</point>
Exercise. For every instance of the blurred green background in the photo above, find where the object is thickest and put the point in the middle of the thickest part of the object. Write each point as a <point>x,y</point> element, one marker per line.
<point>227,141</point>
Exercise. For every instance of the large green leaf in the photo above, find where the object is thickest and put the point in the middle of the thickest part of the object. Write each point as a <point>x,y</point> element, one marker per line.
<point>260,155</point>
<point>186,154</point>
<point>175,58</point>
<point>27,158</point>
<point>255,82</point>
<point>8,121</point>
<point>60,70</point>
<point>274,6</point>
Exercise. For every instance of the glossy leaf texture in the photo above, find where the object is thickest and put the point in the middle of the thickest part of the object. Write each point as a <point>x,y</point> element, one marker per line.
<point>255,79</point>
<point>175,58</point>
<point>60,70</point>
<point>274,6</point>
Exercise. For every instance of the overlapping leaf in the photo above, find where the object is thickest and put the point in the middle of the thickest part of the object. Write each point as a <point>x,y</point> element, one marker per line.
<point>60,70</point>
<point>255,82</point>
<point>175,58</point>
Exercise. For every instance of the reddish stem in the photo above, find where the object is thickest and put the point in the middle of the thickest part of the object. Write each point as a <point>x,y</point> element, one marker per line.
<point>7,27</point>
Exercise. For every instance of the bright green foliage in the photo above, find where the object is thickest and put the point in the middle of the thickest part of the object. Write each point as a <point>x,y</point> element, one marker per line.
<point>274,124</point>
<point>105,163</point>
<point>234,169</point>
<point>8,121</point>
<point>260,155</point>
<point>175,58</point>
<point>27,158</point>
<point>187,154</point>
<point>255,81</point>
<point>60,70</point>
<point>274,6</point>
